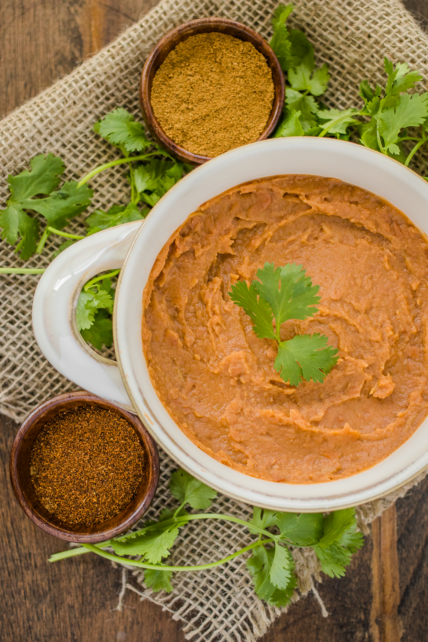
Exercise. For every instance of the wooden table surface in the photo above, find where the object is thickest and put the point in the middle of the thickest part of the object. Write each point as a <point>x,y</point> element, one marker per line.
<point>384,594</point>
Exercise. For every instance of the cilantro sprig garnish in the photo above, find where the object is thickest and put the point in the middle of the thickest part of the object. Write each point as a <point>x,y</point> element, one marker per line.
<point>281,294</point>
<point>274,536</point>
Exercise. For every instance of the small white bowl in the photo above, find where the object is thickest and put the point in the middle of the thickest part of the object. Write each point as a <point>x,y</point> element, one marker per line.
<point>136,246</point>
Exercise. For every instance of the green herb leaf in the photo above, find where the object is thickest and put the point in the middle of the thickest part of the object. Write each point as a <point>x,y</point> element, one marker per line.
<point>334,559</point>
<point>42,178</point>
<point>58,207</point>
<point>189,490</point>
<point>336,524</point>
<point>259,565</point>
<point>259,310</point>
<point>290,125</point>
<point>88,303</point>
<point>340,540</point>
<point>305,357</point>
<point>14,223</point>
<point>400,79</point>
<point>280,15</point>
<point>288,291</point>
<point>116,215</point>
<point>158,580</point>
<point>154,179</point>
<point>62,205</point>
<point>120,128</point>
<point>282,567</point>
<point>100,332</point>
<point>306,105</point>
<point>305,529</point>
<point>152,545</point>
<point>333,115</point>
<point>262,518</point>
<point>411,111</point>
<point>305,78</point>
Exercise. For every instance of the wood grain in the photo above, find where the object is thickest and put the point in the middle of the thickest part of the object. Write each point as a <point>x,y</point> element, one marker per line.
<point>75,600</point>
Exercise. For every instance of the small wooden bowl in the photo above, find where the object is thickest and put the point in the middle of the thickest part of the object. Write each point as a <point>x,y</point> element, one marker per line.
<point>170,41</point>
<point>24,489</point>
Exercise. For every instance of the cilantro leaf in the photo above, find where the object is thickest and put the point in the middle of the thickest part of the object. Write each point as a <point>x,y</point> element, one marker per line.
<point>100,332</point>
<point>333,559</point>
<point>189,490</point>
<point>120,128</point>
<point>336,524</point>
<point>154,179</point>
<point>262,518</point>
<point>305,357</point>
<point>259,565</point>
<point>42,178</point>
<point>152,545</point>
<point>290,46</point>
<point>305,529</point>
<point>259,310</point>
<point>296,101</point>
<point>400,79</point>
<point>290,125</point>
<point>87,305</point>
<point>115,215</point>
<point>57,207</point>
<point>15,222</point>
<point>340,540</point>
<point>62,205</point>
<point>305,78</point>
<point>288,291</point>
<point>345,118</point>
<point>158,580</point>
<point>281,45</point>
<point>282,567</point>
<point>410,111</point>
<point>280,15</point>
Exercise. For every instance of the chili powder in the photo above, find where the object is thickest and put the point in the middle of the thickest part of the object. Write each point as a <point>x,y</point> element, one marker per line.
<point>86,465</point>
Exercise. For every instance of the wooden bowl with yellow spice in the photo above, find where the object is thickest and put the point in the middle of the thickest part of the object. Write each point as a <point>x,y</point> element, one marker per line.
<point>83,469</point>
<point>211,85</point>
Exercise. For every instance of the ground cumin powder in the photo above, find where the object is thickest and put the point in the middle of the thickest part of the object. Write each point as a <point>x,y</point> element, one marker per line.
<point>212,93</point>
<point>86,465</point>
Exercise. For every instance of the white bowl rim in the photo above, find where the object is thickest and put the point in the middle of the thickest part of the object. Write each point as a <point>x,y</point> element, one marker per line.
<point>350,162</point>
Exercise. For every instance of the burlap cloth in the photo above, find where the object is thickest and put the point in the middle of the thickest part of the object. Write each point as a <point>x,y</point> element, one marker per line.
<point>352,37</point>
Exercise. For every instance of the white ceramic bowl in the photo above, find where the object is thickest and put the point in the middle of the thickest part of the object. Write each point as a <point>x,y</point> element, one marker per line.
<point>135,246</point>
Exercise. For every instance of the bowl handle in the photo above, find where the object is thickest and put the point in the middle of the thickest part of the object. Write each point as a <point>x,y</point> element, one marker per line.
<point>54,311</point>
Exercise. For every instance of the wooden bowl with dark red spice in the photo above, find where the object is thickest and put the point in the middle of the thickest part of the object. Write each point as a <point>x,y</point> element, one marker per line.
<point>178,37</point>
<point>83,469</point>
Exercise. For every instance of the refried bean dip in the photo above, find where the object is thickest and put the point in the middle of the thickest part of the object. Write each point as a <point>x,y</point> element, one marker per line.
<point>216,378</point>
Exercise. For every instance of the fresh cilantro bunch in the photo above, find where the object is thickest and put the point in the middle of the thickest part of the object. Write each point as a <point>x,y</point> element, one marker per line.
<point>150,174</point>
<point>334,538</point>
<point>382,124</point>
<point>282,294</point>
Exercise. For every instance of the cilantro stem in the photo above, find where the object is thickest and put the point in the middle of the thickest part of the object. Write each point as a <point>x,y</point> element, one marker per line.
<point>414,150</point>
<point>119,161</point>
<point>109,275</point>
<point>22,270</point>
<point>179,521</point>
<point>66,235</point>
<point>379,142</point>
<point>164,567</point>
<point>52,230</point>
<point>333,123</point>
